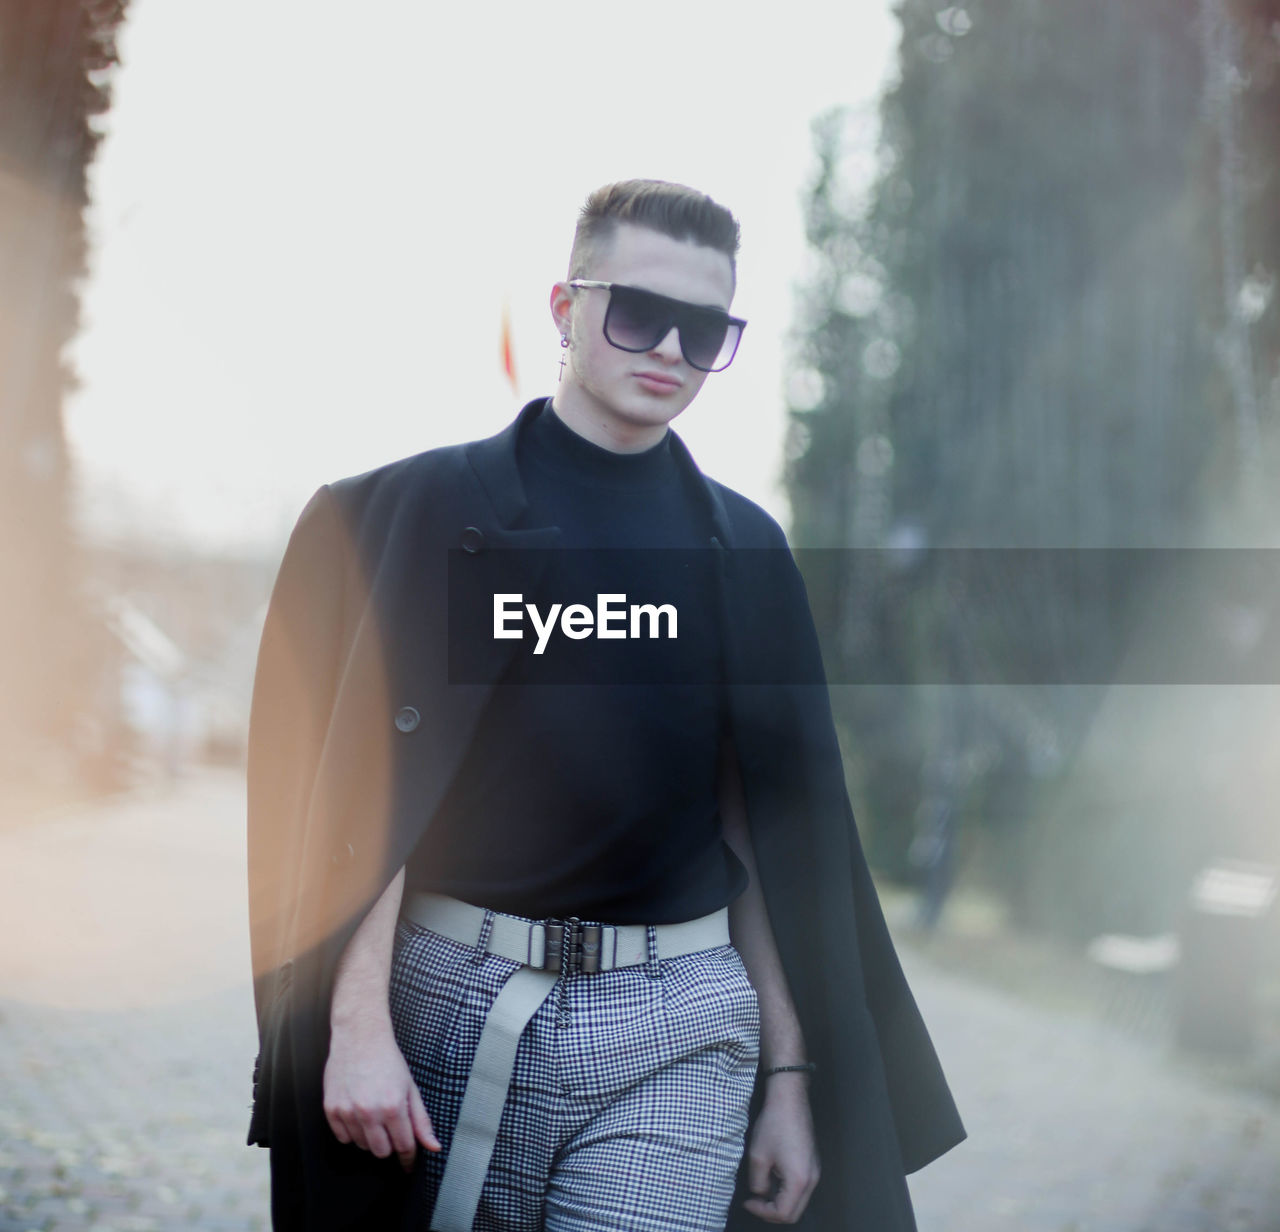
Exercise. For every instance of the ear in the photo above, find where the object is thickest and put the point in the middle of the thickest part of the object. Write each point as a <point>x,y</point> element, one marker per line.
<point>561,307</point>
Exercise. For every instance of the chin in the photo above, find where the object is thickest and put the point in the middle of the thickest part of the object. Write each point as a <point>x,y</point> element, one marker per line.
<point>651,417</point>
<point>650,409</point>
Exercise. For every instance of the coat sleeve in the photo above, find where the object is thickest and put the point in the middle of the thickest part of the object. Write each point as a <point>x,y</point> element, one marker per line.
<point>293,692</point>
<point>882,1106</point>
<point>924,1112</point>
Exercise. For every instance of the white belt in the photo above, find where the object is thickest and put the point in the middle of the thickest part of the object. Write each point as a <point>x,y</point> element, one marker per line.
<point>547,949</point>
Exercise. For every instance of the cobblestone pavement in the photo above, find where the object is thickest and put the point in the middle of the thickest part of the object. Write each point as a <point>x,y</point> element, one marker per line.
<point>126,1018</point>
<point>127,1041</point>
<point>1077,1127</point>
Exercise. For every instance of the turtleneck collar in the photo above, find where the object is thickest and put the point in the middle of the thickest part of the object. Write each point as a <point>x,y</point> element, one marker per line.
<point>559,450</point>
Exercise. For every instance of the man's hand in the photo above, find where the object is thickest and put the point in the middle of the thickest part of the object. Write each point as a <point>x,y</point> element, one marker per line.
<point>371,1099</point>
<point>782,1158</point>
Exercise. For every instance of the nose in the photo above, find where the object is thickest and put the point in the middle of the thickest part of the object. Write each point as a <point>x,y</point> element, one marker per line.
<point>668,348</point>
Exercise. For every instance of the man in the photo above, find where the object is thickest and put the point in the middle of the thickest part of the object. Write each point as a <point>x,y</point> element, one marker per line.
<point>527,913</point>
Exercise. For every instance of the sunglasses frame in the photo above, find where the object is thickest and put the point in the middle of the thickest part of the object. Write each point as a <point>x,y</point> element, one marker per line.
<point>679,307</point>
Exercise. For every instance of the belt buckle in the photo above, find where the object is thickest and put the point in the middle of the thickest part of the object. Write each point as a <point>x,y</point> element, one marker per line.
<point>572,947</point>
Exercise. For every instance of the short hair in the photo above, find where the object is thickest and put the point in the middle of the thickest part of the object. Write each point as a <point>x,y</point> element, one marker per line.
<point>676,210</point>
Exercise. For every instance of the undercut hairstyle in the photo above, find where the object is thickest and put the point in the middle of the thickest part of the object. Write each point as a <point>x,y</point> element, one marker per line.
<point>676,210</point>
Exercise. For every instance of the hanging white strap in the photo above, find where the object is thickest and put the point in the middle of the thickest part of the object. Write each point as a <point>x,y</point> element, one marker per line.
<point>484,1098</point>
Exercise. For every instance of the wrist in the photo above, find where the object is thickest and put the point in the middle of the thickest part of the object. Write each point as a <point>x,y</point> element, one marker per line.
<point>792,1067</point>
<point>363,1020</point>
<point>786,1092</point>
<point>786,1082</point>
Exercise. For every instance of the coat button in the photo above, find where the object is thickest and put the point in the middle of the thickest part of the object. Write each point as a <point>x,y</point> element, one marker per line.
<point>344,855</point>
<point>472,539</point>
<point>407,718</point>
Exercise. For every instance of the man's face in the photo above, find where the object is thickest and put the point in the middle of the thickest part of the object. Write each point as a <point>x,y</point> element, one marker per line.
<point>627,391</point>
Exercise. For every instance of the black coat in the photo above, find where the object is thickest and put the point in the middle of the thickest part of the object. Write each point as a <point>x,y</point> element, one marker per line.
<point>355,733</point>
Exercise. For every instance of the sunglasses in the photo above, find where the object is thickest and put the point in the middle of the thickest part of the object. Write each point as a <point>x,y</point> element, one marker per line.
<point>637,320</point>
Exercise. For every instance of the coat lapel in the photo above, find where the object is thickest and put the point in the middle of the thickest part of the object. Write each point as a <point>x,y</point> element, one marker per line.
<point>501,552</point>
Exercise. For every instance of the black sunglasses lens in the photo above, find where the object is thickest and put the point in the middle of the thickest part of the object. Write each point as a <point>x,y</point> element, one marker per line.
<point>638,320</point>
<point>704,335</point>
<point>635,320</point>
<point>728,347</point>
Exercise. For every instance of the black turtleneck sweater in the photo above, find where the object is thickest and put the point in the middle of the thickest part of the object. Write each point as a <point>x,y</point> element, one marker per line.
<point>597,798</point>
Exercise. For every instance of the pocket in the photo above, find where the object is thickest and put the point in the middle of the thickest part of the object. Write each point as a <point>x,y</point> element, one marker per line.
<point>713,1008</point>
<point>747,1004</point>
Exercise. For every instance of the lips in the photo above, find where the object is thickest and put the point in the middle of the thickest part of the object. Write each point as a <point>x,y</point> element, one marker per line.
<point>658,382</point>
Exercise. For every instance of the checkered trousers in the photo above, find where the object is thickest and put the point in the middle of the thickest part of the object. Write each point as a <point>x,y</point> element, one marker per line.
<point>628,1105</point>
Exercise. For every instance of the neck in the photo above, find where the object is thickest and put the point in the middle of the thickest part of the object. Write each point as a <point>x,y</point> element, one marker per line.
<point>583,415</point>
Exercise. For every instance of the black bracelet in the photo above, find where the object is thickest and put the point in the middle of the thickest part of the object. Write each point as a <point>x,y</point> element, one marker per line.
<point>805,1067</point>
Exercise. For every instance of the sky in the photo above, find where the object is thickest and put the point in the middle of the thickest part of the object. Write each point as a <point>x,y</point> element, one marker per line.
<point>308,217</point>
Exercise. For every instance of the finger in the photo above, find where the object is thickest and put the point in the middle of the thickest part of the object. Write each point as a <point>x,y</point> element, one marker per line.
<point>787,1204</point>
<point>786,1196</point>
<point>377,1140</point>
<point>420,1119</point>
<point>400,1130</point>
<point>356,1133</point>
<point>801,1189</point>
<point>780,1203</point>
<point>338,1125</point>
<point>760,1175</point>
<point>793,1196</point>
<point>808,1189</point>
<point>347,1128</point>
<point>762,1210</point>
<point>801,1205</point>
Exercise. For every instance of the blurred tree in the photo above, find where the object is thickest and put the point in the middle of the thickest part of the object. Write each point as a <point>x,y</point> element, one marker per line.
<point>1244,37</point>
<point>1222,41</point>
<point>1014,341</point>
<point>54,60</point>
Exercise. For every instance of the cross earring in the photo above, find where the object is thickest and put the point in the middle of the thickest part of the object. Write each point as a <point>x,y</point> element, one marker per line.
<point>564,342</point>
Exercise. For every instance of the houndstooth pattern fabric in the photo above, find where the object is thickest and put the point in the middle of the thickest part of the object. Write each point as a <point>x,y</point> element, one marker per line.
<point>628,1105</point>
